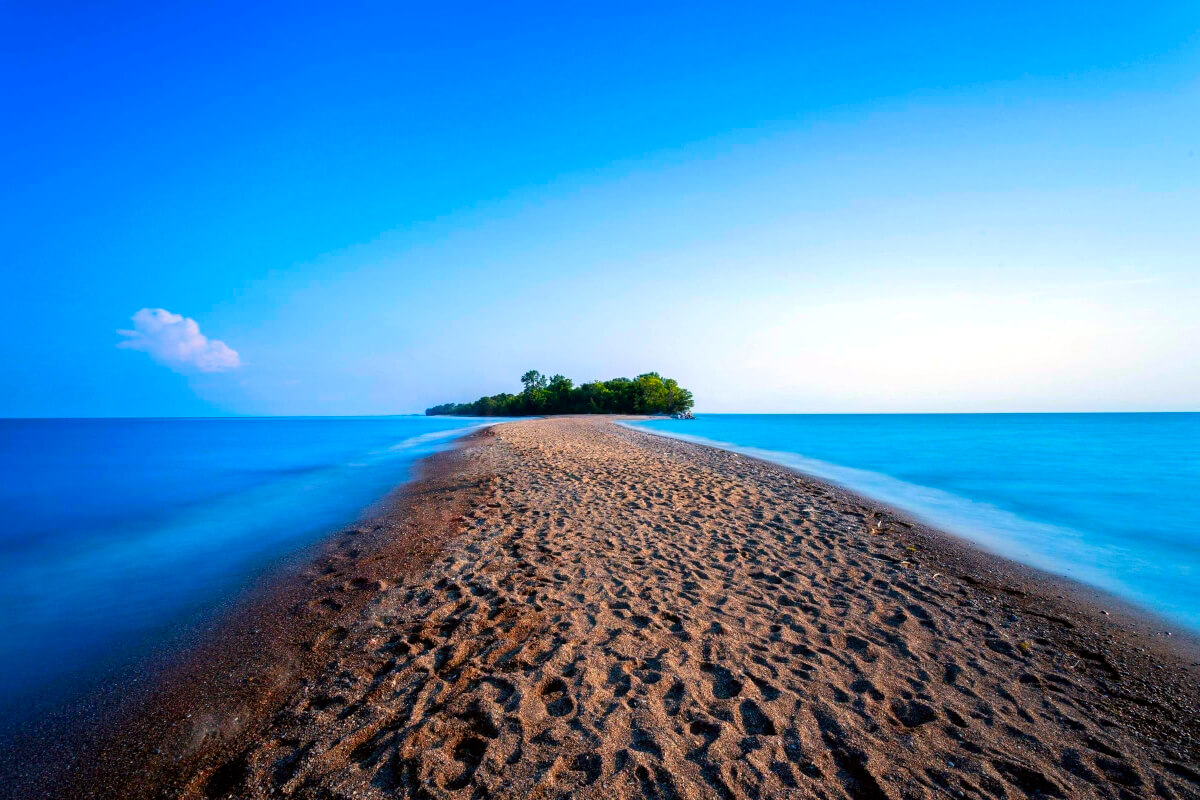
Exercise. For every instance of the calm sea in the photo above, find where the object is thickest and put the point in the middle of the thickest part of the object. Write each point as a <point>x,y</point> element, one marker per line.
<point>1107,499</point>
<point>117,536</point>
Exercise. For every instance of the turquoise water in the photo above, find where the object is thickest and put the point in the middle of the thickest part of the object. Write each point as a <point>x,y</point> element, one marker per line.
<point>1106,499</point>
<point>118,536</point>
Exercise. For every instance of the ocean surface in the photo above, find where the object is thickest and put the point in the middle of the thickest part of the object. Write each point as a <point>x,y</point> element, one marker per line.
<point>120,536</point>
<point>1110,500</point>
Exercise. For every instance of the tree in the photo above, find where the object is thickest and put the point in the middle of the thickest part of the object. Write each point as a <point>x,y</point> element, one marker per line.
<point>558,394</point>
<point>649,393</point>
<point>595,398</point>
<point>623,394</point>
<point>533,380</point>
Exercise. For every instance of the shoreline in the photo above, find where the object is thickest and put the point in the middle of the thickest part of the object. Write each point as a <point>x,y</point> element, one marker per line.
<point>213,726</point>
<point>264,644</point>
<point>1134,618</point>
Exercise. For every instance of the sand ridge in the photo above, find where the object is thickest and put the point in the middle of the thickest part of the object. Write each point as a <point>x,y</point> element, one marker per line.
<point>623,615</point>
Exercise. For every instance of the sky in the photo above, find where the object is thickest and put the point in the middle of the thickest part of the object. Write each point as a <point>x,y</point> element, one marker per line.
<point>372,208</point>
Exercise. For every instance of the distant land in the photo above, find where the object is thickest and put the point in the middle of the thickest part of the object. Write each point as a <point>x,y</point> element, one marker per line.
<point>650,393</point>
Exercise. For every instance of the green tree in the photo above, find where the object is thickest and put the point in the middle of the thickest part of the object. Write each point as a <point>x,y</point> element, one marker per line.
<point>649,393</point>
<point>558,394</point>
<point>532,381</point>
<point>595,398</point>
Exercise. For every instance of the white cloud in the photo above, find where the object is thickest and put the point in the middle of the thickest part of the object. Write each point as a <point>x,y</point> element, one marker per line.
<point>176,341</point>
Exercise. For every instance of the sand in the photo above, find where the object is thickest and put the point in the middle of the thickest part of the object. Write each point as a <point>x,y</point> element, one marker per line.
<point>566,607</point>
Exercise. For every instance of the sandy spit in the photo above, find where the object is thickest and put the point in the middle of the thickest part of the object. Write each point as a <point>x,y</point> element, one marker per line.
<point>566,607</point>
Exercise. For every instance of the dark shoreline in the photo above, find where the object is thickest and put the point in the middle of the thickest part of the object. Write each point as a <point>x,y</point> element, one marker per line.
<point>206,709</point>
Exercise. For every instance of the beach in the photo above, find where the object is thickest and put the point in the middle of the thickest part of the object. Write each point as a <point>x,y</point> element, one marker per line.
<point>567,607</point>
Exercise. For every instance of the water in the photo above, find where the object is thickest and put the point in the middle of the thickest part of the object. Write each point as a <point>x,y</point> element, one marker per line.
<point>115,535</point>
<point>1106,499</point>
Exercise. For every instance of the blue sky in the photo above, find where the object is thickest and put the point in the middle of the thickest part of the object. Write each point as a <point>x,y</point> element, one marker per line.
<point>792,208</point>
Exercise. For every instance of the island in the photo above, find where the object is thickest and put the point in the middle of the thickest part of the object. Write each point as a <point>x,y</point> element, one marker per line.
<point>649,393</point>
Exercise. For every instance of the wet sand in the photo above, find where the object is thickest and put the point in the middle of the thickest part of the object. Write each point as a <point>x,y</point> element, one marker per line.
<point>566,607</point>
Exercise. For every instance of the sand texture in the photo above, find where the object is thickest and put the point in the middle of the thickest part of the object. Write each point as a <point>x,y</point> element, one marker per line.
<point>621,615</point>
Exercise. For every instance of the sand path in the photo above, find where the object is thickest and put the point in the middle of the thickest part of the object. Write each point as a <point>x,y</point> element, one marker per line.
<point>629,616</point>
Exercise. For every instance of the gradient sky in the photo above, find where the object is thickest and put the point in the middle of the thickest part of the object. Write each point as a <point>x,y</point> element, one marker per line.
<point>805,207</point>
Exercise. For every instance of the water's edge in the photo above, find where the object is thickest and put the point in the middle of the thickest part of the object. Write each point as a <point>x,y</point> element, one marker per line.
<point>94,686</point>
<point>942,513</point>
<point>258,645</point>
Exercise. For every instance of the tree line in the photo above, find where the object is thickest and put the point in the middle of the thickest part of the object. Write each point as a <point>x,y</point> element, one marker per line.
<point>650,393</point>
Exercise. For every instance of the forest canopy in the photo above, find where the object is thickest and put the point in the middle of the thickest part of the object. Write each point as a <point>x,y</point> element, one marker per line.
<point>650,393</point>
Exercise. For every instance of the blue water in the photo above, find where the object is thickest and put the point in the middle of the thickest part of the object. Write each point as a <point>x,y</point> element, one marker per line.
<point>115,535</point>
<point>1106,499</point>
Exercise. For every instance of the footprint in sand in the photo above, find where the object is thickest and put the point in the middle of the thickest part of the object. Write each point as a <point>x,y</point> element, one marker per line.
<point>558,701</point>
<point>724,684</point>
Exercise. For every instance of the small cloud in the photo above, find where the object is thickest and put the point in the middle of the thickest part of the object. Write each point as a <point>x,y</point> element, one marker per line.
<point>176,341</point>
